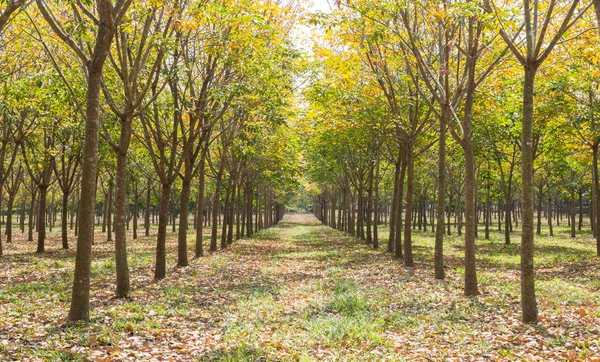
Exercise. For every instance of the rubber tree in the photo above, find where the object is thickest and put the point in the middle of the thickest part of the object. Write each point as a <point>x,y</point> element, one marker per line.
<point>543,27</point>
<point>136,61</point>
<point>92,47</point>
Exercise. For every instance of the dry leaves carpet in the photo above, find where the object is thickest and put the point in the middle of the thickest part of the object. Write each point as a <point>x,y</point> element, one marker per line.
<point>302,291</point>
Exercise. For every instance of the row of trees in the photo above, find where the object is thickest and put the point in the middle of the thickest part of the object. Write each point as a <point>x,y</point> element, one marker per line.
<point>426,110</point>
<point>187,99</point>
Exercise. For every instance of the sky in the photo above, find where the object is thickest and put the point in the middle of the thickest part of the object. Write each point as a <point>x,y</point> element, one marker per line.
<point>320,5</point>
<point>304,34</point>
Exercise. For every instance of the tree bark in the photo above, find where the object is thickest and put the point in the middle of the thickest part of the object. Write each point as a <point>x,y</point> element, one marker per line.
<point>186,185</point>
<point>238,213</point>
<point>9,216</point>
<point>22,218</point>
<point>231,214</point>
<point>109,219</point>
<point>147,209</point>
<point>160,269</point>
<point>122,266</point>
<point>528,299</point>
<point>596,182</point>
<point>250,196</point>
<point>80,300</point>
<point>226,207</point>
<point>408,255</point>
<point>136,212</point>
<point>471,288</point>
<point>200,210</point>
<point>398,252</point>
<point>41,220</point>
<point>63,220</point>
<point>216,207</point>
<point>441,206</point>
<point>580,223</point>
<point>369,218</point>
<point>377,211</point>
<point>572,215</point>
<point>550,216</point>
<point>507,221</point>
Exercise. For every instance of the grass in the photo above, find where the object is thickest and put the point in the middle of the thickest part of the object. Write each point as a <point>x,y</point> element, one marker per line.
<point>301,291</point>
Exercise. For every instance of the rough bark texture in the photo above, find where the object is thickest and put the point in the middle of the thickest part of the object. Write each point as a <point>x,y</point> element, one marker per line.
<point>408,255</point>
<point>80,300</point>
<point>147,209</point>
<point>182,258</point>
<point>398,242</point>
<point>136,211</point>
<point>41,221</point>
<point>369,218</point>
<point>528,300</point>
<point>596,186</point>
<point>63,221</point>
<point>471,288</point>
<point>216,208</point>
<point>109,212</point>
<point>122,266</point>
<point>441,205</point>
<point>160,268</point>
<point>200,210</point>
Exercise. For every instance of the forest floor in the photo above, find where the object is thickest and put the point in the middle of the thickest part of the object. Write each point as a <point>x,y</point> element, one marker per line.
<point>302,291</point>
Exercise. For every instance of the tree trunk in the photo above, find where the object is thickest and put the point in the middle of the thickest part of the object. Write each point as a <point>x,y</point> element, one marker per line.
<point>238,213</point>
<point>471,288</point>
<point>528,300</point>
<point>249,224</point>
<point>369,218</point>
<point>109,224</point>
<point>136,212</point>
<point>226,206</point>
<point>186,189</point>
<point>408,255</point>
<point>580,223</point>
<point>550,216</point>
<point>488,210</point>
<point>259,223</point>
<point>41,220</point>
<point>591,209</point>
<point>160,269</point>
<point>377,214</point>
<point>80,300</point>
<point>539,211</point>
<point>72,213</point>
<point>200,210</point>
<point>360,214</point>
<point>216,205</point>
<point>122,266</point>
<point>22,218</point>
<point>398,252</point>
<point>572,214</point>
<point>1,251</point>
<point>441,206</point>
<point>147,209</point>
<point>596,186</point>
<point>105,214</point>
<point>243,212</point>
<point>231,214</point>
<point>507,221</point>
<point>9,216</point>
<point>63,220</point>
<point>351,214</point>
<point>173,214</point>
